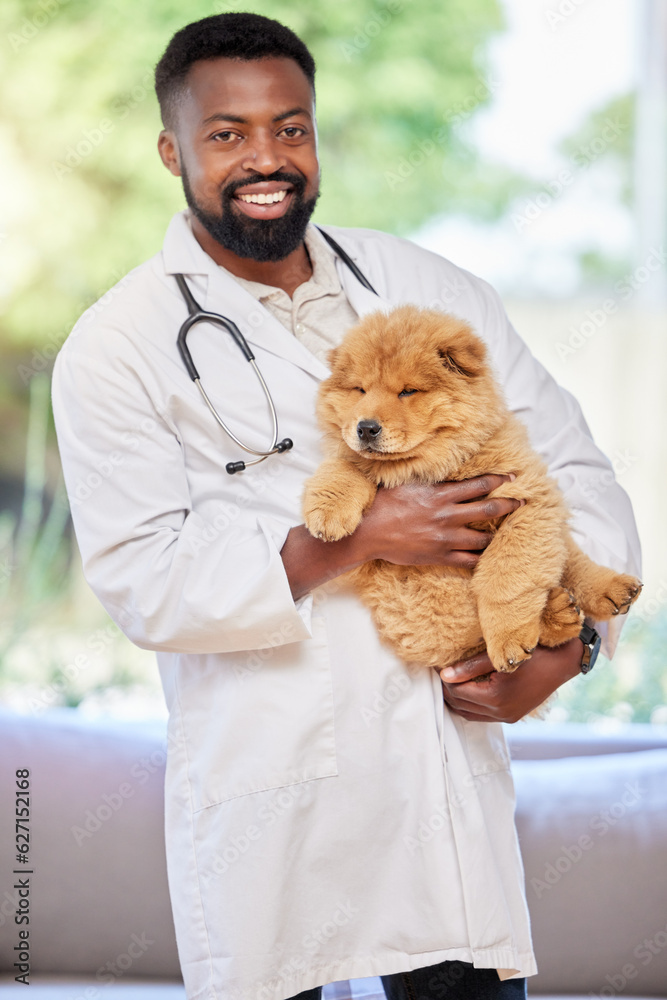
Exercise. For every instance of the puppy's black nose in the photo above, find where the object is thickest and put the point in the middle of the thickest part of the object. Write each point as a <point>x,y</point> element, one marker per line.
<point>368,430</point>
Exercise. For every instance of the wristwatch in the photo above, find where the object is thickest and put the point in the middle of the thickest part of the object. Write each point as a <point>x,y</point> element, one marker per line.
<point>592,643</point>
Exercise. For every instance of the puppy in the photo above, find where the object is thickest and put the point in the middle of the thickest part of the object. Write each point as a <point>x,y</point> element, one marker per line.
<point>412,398</point>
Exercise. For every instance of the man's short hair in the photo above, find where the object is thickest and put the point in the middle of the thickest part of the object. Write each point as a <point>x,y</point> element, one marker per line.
<point>234,36</point>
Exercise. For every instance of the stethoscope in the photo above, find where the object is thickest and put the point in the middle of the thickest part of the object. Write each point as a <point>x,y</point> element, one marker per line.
<point>198,315</point>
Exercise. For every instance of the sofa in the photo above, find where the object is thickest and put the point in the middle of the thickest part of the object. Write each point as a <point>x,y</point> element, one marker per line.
<point>591,816</point>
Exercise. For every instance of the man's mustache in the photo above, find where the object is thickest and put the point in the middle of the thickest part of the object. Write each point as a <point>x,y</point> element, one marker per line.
<point>297,181</point>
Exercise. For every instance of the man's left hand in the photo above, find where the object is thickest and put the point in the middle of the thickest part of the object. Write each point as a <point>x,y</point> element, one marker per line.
<point>508,697</point>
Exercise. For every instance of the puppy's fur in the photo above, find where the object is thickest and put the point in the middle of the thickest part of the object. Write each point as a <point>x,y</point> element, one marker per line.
<point>532,583</point>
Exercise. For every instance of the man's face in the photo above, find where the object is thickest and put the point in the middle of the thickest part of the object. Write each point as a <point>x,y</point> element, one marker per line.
<point>245,145</point>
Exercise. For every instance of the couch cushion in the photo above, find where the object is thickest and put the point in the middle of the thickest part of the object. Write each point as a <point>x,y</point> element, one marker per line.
<point>593,834</point>
<point>97,845</point>
<point>542,741</point>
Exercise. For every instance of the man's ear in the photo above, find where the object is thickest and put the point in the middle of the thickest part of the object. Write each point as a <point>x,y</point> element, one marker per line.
<point>464,355</point>
<point>169,152</point>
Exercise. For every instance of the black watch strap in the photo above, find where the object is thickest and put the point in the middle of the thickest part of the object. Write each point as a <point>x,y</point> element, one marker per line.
<point>592,642</point>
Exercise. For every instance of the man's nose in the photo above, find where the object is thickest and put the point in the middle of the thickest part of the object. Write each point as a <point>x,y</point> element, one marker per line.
<point>263,154</point>
<point>368,430</point>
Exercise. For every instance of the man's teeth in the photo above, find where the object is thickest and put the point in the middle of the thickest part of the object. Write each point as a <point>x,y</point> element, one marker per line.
<point>263,199</point>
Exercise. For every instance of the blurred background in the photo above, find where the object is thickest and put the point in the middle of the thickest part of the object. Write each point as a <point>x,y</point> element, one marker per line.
<point>526,140</point>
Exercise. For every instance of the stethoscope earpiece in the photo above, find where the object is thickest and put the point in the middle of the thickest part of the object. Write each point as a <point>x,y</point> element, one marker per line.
<point>197,315</point>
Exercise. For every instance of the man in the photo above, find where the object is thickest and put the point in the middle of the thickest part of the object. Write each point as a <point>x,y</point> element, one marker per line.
<point>328,816</point>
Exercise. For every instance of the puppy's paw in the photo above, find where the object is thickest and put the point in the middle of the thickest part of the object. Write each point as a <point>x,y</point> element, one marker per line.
<point>561,619</point>
<point>507,650</point>
<point>620,592</point>
<point>330,519</point>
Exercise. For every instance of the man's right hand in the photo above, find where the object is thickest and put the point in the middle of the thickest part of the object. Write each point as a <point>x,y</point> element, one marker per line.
<point>408,525</point>
<point>418,524</point>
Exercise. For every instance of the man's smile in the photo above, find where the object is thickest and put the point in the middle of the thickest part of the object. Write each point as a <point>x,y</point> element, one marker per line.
<point>269,200</point>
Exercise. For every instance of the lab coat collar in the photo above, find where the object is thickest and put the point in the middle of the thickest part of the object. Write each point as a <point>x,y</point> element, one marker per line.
<point>361,300</point>
<point>217,291</point>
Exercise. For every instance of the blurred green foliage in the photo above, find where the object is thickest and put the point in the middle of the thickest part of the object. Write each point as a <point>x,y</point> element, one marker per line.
<point>84,197</point>
<point>632,688</point>
<point>605,143</point>
<point>607,133</point>
<point>34,550</point>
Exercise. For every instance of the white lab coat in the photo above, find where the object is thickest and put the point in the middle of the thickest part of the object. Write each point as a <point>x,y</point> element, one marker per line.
<point>326,816</point>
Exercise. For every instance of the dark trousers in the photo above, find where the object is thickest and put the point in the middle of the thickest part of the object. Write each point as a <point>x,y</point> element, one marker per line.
<point>447,981</point>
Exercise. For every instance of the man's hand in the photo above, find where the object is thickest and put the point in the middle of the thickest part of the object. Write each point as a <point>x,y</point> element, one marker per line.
<point>417,525</point>
<point>408,525</point>
<point>508,697</point>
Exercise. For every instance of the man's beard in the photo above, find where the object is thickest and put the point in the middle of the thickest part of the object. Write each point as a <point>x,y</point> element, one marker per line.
<point>258,239</point>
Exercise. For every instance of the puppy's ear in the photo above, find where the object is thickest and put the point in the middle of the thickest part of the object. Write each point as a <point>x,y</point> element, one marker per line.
<point>464,357</point>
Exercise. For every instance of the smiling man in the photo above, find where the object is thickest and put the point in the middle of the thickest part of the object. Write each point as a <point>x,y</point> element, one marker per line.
<point>330,814</point>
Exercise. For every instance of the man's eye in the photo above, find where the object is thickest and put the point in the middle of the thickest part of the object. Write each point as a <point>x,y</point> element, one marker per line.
<point>408,392</point>
<point>292,131</point>
<point>224,136</point>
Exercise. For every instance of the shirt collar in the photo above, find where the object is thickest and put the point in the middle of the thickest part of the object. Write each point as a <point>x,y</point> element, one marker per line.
<point>323,281</point>
<point>183,254</point>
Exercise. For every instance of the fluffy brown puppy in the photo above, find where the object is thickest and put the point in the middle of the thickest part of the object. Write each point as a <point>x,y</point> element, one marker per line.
<point>411,398</point>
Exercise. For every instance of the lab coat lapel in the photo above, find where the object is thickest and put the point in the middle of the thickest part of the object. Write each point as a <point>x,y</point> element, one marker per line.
<point>361,300</point>
<point>217,291</point>
<point>259,327</point>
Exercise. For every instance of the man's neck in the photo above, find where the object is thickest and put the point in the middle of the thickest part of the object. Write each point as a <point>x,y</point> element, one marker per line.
<point>287,274</point>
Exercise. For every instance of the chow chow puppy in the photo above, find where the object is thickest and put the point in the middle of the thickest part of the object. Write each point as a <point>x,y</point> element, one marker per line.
<point>412,398</point>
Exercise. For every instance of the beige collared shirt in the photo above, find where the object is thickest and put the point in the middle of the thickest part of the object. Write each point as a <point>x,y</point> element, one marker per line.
<point>319,314</point>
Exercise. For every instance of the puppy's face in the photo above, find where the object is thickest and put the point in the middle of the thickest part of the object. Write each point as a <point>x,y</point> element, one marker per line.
<point>400,381</point>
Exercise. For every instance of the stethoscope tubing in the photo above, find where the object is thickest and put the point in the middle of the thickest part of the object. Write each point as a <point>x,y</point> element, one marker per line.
<point>198,315</point>
<point>274,417</point>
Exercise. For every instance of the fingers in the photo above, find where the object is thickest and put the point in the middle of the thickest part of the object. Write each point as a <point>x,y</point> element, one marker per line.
<point>467,670</point>
<point>479,670</point>
<point>474,711</point>
<point>464,560</point>
<point>485,510</point>
<point>481,700</point>
<point>469,538</point>
<point>472,489</point>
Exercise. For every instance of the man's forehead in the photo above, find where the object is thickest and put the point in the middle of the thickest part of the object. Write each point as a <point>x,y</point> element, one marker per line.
<point>225,85</point>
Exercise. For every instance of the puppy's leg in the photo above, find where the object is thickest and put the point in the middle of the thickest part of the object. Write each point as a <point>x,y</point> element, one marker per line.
<point>335,499</point>
<point>426,615</point>
<point>523,562</point>
<point>601,592</point>
<point>562,618</point>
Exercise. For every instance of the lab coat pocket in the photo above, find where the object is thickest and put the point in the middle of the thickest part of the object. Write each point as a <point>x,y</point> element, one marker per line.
<point>486,746</point>
<point>259,719</point>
